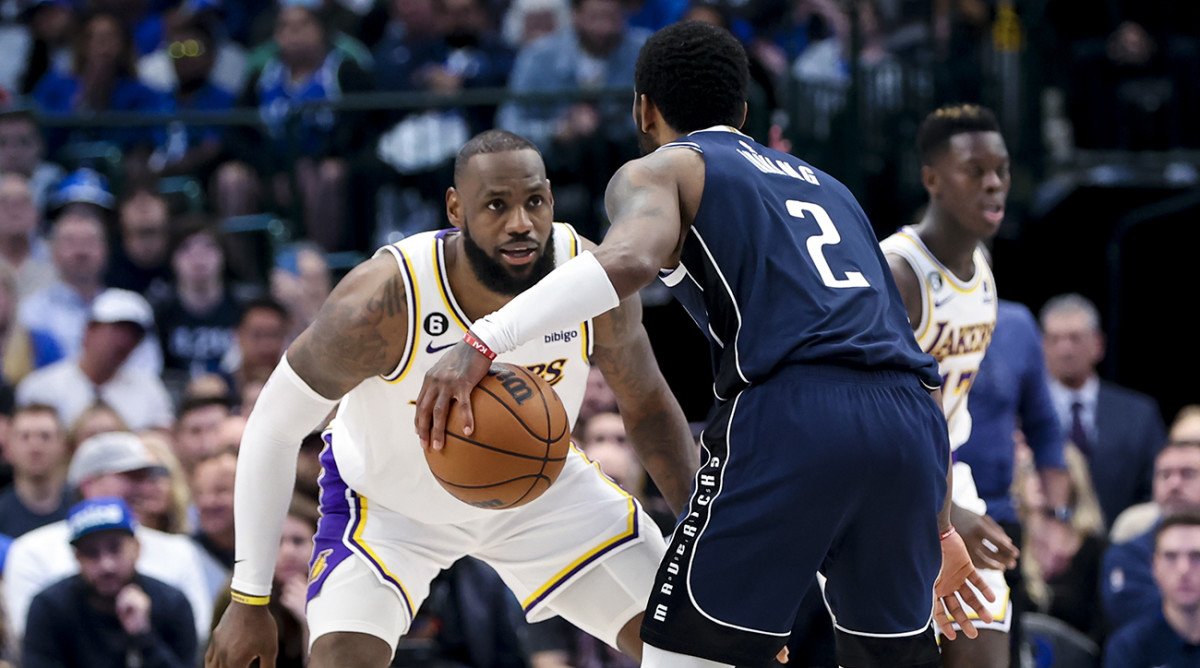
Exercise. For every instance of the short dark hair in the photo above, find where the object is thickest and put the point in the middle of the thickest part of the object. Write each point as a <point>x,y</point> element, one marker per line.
<point>193,404</point>
<point>942,123</point>
<point>264,303</point>
<point>696,74</point>
<point>490,141</point>
<point>1187,518</point>
<point>189,225</point>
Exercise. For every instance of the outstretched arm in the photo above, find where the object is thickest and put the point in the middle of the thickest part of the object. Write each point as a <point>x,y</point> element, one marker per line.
<point>655,422</point>
<point>358,333</point>
<point>644,206</point>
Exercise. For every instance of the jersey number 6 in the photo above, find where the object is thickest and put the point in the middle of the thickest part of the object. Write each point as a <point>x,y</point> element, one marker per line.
<point>828,236</point>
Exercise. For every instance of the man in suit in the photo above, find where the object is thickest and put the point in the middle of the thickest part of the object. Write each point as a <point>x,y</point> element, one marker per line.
<point>1119,430</point>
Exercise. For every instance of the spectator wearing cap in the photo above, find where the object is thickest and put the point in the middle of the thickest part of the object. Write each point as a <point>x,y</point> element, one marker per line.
<point>23,151</point>
<point>84,190</point>
<point>111,464</point>
<point>37,449</point>
<point>20,244</point>
<point>57,316</point>
<point>119,321</point>
<point>109,614</point>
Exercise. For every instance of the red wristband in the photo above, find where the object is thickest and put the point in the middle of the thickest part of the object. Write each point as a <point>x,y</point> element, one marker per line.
<point>947,533</point>
<point>479,346</point>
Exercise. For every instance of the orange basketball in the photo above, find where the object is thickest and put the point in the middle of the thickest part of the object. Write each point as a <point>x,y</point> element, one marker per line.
<point>519,446</point>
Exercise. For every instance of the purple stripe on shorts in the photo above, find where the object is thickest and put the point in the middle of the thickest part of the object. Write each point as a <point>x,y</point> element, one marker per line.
<point>328,548</point>
<point>584,564</point>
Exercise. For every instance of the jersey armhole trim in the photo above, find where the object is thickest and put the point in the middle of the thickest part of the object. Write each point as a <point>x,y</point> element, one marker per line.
<point>922,327</point>
<point>412,298</point>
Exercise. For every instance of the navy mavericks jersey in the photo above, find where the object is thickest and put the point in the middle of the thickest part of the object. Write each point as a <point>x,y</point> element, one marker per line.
<point>781,266</point>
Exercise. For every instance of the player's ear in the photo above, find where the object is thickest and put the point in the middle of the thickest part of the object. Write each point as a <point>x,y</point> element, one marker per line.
<point>454,207</point>
<point>745,113</point>
<point>929,179</point>
<point>645,113</point>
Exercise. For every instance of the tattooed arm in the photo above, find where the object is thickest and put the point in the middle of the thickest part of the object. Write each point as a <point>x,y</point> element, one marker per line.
<point>653,419</point>
<point>359,332</point>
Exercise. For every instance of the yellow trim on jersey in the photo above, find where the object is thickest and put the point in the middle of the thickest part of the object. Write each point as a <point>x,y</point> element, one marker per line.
<point>439,268</point>
<point>413,295</point>
<point>948,277</point>
<point>630,530</point>
<point>927,305</point>
<point>995,618</point>
<point>586,328</point>
<point>358,541</point>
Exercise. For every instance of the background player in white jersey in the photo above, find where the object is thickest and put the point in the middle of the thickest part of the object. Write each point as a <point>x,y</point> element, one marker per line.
<point>943,275</point>
<point>583,550</point>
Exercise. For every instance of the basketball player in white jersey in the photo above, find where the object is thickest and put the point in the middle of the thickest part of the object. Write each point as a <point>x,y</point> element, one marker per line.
<point>947,285</point>
<point>583,550</point>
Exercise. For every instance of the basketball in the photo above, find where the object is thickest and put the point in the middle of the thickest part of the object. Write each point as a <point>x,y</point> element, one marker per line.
<point>519,446</point>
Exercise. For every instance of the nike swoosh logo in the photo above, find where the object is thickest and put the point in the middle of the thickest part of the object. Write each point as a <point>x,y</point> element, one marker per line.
<point>433,349</point>
<point>941,302</point>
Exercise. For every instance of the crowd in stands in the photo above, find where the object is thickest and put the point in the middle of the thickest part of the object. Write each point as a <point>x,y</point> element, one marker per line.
<point>139,320</point>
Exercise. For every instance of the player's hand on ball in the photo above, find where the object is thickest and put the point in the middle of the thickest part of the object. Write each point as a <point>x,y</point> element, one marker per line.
<point>951,586</point>
<point>244,633</point>
<point>451,379</point>
<point>987,543</point>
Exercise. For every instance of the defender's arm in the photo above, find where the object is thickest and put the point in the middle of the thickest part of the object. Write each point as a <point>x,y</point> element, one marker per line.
<point>652,416</point>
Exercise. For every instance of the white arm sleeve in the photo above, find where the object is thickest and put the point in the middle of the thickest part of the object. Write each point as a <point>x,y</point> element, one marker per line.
<point>286,411</point>
<point>576,291</point>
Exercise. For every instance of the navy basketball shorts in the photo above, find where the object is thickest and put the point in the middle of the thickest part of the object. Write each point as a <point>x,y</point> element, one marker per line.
<point>817,468</point>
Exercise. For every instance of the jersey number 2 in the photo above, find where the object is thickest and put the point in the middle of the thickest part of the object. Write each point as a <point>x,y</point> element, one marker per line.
<point>828,236</point>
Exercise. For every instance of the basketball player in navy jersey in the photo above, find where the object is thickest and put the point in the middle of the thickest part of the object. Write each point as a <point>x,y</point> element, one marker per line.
<point>827,451</point>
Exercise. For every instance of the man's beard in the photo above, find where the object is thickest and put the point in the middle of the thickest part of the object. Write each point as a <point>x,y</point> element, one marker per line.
<point>646,143</point>
<point>493,274</point>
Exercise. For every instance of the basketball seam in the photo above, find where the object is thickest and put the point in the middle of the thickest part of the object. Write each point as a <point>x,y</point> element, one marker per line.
<point>535,435</point>
<point>546,443</point>
<point>493,448</point>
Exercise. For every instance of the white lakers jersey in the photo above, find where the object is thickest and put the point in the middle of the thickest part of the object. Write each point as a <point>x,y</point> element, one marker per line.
<point>957,320</point>
<point>374,438</point>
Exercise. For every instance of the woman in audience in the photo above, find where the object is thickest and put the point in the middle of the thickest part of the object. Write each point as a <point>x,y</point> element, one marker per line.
<point>1063,554</point>
<point>167,509</point>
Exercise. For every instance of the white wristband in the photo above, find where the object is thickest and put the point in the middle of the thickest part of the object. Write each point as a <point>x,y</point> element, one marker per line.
<point>578,290</point>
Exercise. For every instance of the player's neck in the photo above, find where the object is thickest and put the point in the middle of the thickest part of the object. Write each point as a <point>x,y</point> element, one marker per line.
<point>472,296</point>
<point>1184,621</point>
<point>949,244</point>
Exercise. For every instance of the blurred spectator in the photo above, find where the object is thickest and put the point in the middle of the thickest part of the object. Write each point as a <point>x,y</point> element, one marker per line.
<point>16,349</point>
<point>347,45</point>
<point>301,281</point>
<point>103,77</point>
<point>141,19</point>
<point>191,49</point>
<point>212,491</point>
<point>527,20</point>
<point>165,505</point>
<point>1127,585</point>
<point>99,418</point>
<point>1061,553</point>
<point>139,258</point>
<point>114,464</point>
<point>1168,637</point>
<point>308,465</point>
<point>554,643</point>
<point>196,322</point>
<point>654,15</point>
<point>118,322</point>
<point>289,590</point>
<point>50,29</point>
<point>597,398</point>
<point>37,449</point>
<point>22,151</point>
<point>471,618</point>
<point>1117,429</point>
<point>84,191</point>
<point>57,317</point>
<point>229,432</point>
<point>783,30</point>
<point>604,442</point>
<point>249,395</point>
<point>261,338</point>
<point>464,53</point>
<point>110,613</point>
<point>20,244</point>
<point>196,430</point>
<point>209,59</point>
<point>583,142</point>
<point>1132,71</point>
<point>207,386</point>
<point>302,158</point>
<point>762,101</point>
